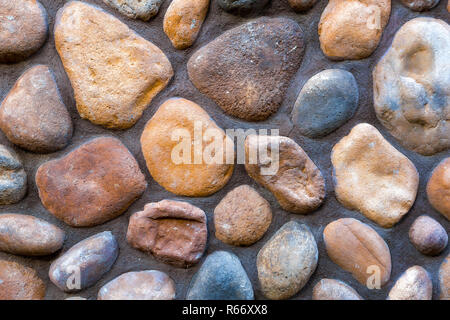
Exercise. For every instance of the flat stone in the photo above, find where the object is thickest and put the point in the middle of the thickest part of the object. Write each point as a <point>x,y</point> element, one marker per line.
<point>420,5</point>
<point>297,184</point>
<point>373,177</point>
<point>413,284</point>
<point>114,72</point>
<point>242,7</point>
<point>287,261</point>
<point>33,115</point>
<point>174,232</point>
<point>351,30</point>
<point>142,285</point>
<point>85,263</point>
<point>13,179</point>
<point>197,171</point>
<point>358,249</point>
<point>428,236</point>
<point>408,80</point>
<point>136,9</point>
<point>18,282</point>
<point>327,101</point>
<point>247,69</point>
<point>330,289</point>
<point>301,5</point>
<point>242,217</point>
<point>23,29</point>
<point>29,236</point>
<point>438,188</point>
<point>444,279</point>
<point>221,277</point>
<point>183,20</point>
<point>92,184</point>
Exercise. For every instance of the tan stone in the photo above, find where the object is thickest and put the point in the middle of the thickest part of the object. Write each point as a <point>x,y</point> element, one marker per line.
<point>18,282</point>
<point>444,279</point>
<point>330,289</point>
<point>114,72</point>
<point>413,284</point>
<point>438,188</point>
<point>373,177</point>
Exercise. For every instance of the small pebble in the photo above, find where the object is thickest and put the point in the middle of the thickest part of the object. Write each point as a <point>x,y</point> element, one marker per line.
<point>428,236</point>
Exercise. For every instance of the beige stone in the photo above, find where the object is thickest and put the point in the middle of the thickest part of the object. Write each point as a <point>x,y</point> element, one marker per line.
<point>330,289</point>
<point>413,284</point>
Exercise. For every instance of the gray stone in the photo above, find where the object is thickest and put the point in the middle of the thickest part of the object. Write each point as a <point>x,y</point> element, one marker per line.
<point>242,7</point>
<point>420,5</point>
<point>13,179</point>
<point>136,9</point>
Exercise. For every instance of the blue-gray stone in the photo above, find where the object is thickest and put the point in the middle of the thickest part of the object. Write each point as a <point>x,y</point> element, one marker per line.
<point>13,179</point>
<point>242,7</point>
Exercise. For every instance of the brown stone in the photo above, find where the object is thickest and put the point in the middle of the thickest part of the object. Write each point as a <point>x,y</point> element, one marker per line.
<point>420,5</point>
<point>33,115</point>
<point>428,236</point>
<point>444,279</point>
<point>438,188</point>
<point>297,183</point>
<point>352,29</point>
<point>358,249</point>
<point>18,282</point>
<point>242,217</point>
<point>183,20</point>
<point>174,232</point>
<point>23,29</point>
<point>30,236</point>
<point>302,5</point>
<point>114,72</point>
<point>92,184</point>
<point>330,289</point>
<point>373,177</point>
<point>413,284</point>
<point>180,171</point>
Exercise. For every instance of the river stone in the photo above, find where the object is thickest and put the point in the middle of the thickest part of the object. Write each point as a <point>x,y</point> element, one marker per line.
<point>410,83</point>
<point>287,261</point>
<point>247,69</point>
<point>85,263</point>
<point>136,9</point>
<point>297,184</point>
<point>18,282</point>
<point>373,177</point>
<point>330,289</point>
<point>92,184</point>
<point>444,279</point>
<point>413,284</point>
<point>327,101</point>
<point>352,29</point>
<point>30,236</point>
<point>183,20</point>
<point>174,232</point>
<point>114,72</point>
<point>33,115</point>
<point>23,29</point>
<point>301,5</point>
<point>428,236</point>
<point>180,171</point>
<point>13,179</point>
<point>358,249</point>
<point>438,188</point>
<point>242,7</point>
<point>142,285</point>
<point>420,5</point>
<point>242,217</point>
<point>221,277</point>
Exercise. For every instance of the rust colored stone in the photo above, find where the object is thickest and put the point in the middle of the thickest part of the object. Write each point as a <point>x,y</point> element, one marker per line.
<point>438,188</point>
<point>18,282</point>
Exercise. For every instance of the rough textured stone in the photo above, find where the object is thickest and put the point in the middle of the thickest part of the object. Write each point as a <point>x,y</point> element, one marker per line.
<point>287,261</point>
<point>358,249</point>
<point>352,29</point>
<point>221,277</point>
<point>413,284</point>
<point>33,115</point>
<point>373,177</point>
<point>142,285</point>
<point>242,7</point>
<point>92,184</point>
<point>23,29</point>
<point>444,279</point>
<point>428,236</point>
<point>242,217</point>
<point>420,5</point>
<point>114,72</point>
<point>136,9</point>
<point>174,232</point>
<point>85,263</point>
<point>330,289</point>
<point>410,86</point>
<point>247,70</point>
<point>26,235</point>
<point>18,282</point>
<point>13,179</point>
<point>183,20</point>
<point>302,5</point>
<point>298,184</point>
<point>193,177</point>
<point>327,101</point>
<point>438,188</point>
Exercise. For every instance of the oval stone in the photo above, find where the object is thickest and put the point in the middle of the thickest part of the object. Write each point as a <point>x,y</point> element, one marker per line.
<point>420,5</point>
<point>18,282</point>
<point>242,7</point>
<point>428,236</point>
<point>438,188</point>
<point>413,284</point>
<point>330,289</point>
<point>444,279</point>
<point>136,9</point>
<point>13,179</point>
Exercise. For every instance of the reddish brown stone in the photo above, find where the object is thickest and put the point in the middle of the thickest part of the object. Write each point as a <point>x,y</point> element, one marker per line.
<point>92,184</point>
<point>18,282</point>
<point>174,232</point>
<point>438,188</point>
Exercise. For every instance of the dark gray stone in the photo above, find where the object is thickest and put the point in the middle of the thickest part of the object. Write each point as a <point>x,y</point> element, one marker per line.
<point>242,7</point>
<point>13,179</point>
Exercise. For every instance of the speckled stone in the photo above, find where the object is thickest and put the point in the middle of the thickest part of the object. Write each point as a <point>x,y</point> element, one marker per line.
<point>444,279</point>
<point>18,282</point>
<point>413,284</point>
<point>136,9</point>
<point>428,236</point>
<point>330,289</point>
<point>242,7</point>
<point>13,179</point>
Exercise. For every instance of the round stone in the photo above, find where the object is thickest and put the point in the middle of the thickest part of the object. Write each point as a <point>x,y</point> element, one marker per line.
<point>420,5</point>
<point>413,284</point>
<point>438,188</point>
<point>242,7</point>
<point>302,5</point>
<point>330,289</point>
<point>13,179</point>
<point>136,9</point>
<point>18,282</point>
<point>428,236</point>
